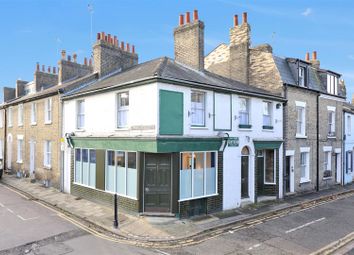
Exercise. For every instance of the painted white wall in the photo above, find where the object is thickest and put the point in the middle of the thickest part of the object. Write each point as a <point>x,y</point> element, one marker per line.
<point>348,146</point>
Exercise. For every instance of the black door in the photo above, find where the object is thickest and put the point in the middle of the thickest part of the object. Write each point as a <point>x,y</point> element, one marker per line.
<point>157,190</point>
<point>287,174</point>
<point>244,177</point>
<point>260,172</point>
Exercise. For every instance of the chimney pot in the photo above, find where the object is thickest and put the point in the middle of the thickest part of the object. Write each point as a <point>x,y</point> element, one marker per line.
<point>235,21</point>
<point>63,54</point>
<point>314,55</point>
<point>43,68</point>
<point>115,41</point>
<point>90,62</point>
<point>307,57</point>
<point>69,58</point>
<point>181,20</point>
<point>122,45</point>
<point>98,36</point>
<point>54,70</point>
<point>128,47</point>
<point>133,49</point>
<point>195,15</point>
<point>48,69</point>
<point>37,66</point>
<point>109,38</point>
<point>188,17</point>
<point>244,18</point>
<point>75,57</point>
<point>102,35</point>
<point>85,61</point>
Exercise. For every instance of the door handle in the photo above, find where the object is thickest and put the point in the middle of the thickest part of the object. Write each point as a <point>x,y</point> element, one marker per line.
<point>147,189</point>
<point>292,169</point>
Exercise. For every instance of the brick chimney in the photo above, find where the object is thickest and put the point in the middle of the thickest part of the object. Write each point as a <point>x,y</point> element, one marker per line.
<point>240,39</point>
<point>314,61</point>
<point>9,94</point>
<point>44,79</point>
<point>69,70</point>
<point>109,57</point>
<point>189,41</point>
<point>20,88</point>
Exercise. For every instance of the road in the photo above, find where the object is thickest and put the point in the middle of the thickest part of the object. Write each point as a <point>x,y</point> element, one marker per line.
<point>27,227</point>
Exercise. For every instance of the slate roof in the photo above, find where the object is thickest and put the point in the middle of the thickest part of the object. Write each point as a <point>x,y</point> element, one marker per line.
<point>168,69</point>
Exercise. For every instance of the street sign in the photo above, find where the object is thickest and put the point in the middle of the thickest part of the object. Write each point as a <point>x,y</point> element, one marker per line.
<point>233,141</point>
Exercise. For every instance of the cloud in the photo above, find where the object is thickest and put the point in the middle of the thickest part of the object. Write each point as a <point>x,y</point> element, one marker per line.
<point>307,12</point>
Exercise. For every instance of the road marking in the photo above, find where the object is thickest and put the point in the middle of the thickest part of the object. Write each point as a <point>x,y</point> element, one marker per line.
<point>254,246</point>
<point>305,225</point>
<point>162,252</point>
<point>2,205</point>
<point>33,218</point>
<point>10,210</point>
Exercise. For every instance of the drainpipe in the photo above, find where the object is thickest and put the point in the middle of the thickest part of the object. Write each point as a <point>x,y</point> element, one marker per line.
<point>285,108</point>
<point>343,135</point>
<point>61,153</point>
<point>318,142</point>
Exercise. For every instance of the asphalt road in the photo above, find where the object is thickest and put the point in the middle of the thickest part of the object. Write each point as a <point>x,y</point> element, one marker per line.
<point>26,227</point>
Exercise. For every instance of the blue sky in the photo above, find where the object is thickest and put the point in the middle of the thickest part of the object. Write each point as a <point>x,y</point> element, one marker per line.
<point>36,31</point>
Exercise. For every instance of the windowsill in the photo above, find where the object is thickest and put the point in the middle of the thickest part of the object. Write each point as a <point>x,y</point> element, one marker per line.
<point>48,123</point>
<point>245,129</point>
<point>194,198</point>
<point>303,181</point>
<point>301,136</point>
<point>20,125</point>
<point>47,167</point>
<point>269,183</point>
<point>331,137</point>
<point>199,127</point>
<point>244,126</point>
<point>10,126</point>
<point>34,124</point>
<point>327,178</point>
<point>269,128</point>
<point>80,130</point>
<point>19,162</point>
<point>122,128</point>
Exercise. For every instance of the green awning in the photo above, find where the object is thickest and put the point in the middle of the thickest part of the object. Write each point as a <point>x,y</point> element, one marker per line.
<point>159,145</point>
<point>263,145</point>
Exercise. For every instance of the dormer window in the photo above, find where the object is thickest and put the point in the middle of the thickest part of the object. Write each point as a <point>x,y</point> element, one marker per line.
<point>302,76</point>
<point>332,84</point>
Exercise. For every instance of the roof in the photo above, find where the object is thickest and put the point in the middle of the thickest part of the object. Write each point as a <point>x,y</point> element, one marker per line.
<point>170,70</point>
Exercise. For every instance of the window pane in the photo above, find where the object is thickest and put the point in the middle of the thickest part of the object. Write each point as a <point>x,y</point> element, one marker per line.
<point>198,108</point>
<point>269,166</point>
<point>210,174</point>
<point>92,167</point>
<point>198,174</point>
<point>93,156</point>
<point>124,99</point>
<point>78,165</point>
<point>132,160</point>
<point>121,180</point>
<point>120,158</point>
<point>132,179</point>
<point>110,171</point>
<point>186,176</point>
<point>84,155</point>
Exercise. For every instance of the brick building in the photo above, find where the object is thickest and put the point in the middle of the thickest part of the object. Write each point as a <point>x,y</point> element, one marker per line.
<point>312,116</point>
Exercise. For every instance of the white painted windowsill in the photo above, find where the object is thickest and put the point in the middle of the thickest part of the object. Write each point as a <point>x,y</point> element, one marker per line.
<point>19,161</point>
<point>301,136</point>
<point>303,181</point>
<point>48,123</point>
<point>33,123</point>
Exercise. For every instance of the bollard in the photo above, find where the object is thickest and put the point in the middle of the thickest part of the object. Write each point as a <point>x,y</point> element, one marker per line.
<point>115,222</point>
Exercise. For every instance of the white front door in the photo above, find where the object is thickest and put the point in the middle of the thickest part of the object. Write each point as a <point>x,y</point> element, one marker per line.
<point>338,168</point>
<point>9,151</point>
<point>289,172</point>
<point>32,157</point>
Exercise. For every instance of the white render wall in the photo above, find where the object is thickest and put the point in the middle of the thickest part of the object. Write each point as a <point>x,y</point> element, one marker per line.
<point>348,146</point>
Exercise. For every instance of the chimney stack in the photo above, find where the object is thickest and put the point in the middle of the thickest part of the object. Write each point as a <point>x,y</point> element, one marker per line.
<point>20,88</point>
<point>314,61</point>
<point>240,37</point>
<point>63,54</point>
<point>37,67</point>
<point>49,69</point>
<point>54,70</point>
<point>307,57</point>
<point>189,41</point>
<point>109,56</point>
<point>75,57</point>
<point>43,68</point>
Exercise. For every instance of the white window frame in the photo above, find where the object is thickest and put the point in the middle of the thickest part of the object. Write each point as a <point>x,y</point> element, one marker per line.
<point>270,113</point>
<point>33,113</point>
<point>80,114</point>
<point>274,167</point>
<point>1,118</point>
<point>47,154</point>
<point>247,112</point>
<point>332,84</point>
<point>349,125</point>
<point>307,166</point>
<point>195,108</point>
<point>121,109</point>
<point>126,172</point>
<point>10,117</point>
<point>204,175</point>
<point>20,149</point>
<point>302,76</point>
<point>89,162</point>
<point>20,115</point>
<point>302,106</point>
<point>48,110</point>
<point>331,121</point>
<point>349,161</point>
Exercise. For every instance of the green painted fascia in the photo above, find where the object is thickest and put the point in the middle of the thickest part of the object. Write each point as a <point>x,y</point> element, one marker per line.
<point>159,145</point>
<point>244,126</point>
<point>262,145</point>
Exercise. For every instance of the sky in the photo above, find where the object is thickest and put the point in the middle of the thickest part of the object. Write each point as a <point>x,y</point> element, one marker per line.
<point>37,30</point>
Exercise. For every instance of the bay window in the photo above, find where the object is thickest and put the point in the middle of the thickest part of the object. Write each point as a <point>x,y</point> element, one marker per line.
<point>198,175</point>
<point>198,108</point>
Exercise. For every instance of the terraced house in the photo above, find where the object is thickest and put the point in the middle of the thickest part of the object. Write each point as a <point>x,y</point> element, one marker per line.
<point>33,120</point>
<point>313,113</point>
<point>168,136</point>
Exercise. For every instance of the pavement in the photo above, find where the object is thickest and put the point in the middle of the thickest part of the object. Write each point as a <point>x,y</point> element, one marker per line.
<point>160,229</point>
